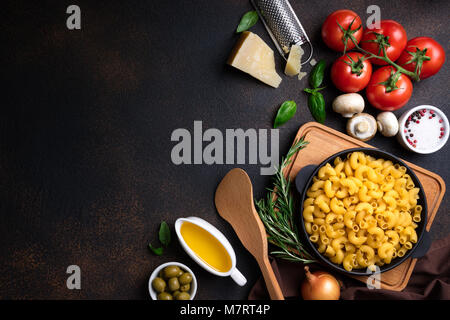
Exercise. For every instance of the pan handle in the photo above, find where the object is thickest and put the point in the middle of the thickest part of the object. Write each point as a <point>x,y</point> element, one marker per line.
<point>302,177</point>
<point>423,246</point>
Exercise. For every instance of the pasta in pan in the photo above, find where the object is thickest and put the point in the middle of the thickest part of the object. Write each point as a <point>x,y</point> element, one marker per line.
<point>361,211</point>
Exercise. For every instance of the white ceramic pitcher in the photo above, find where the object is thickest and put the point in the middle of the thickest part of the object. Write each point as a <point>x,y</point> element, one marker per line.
<point>234,273</point>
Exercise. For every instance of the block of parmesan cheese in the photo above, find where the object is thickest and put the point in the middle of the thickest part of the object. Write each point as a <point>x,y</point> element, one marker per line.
<point>253,56</point>
<point>293,63</point>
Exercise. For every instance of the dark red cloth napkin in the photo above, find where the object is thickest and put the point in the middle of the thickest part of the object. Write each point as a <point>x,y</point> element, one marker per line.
<point>430,279</point>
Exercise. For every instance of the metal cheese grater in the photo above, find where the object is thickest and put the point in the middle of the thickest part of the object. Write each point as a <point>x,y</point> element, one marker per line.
<point>282,24</point>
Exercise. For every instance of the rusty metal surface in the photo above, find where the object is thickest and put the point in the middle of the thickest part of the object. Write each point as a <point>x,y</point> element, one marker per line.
<point>85,126</point>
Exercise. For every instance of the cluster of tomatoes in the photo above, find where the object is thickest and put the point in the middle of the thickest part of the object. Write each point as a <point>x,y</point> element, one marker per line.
<point>389,87</point>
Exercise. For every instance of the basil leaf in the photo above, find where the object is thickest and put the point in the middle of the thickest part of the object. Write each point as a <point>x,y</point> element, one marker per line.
<point>316,105</point>
<point>157,251</point>
<point>313,90</point>
<point>164,234</point>
<point>248,20</point>
<point>285,112</point>
<point>316,76</point>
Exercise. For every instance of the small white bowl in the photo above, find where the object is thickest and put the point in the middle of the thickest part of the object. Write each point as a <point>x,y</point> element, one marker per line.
<point>401,132</point>
<point>155,273</point>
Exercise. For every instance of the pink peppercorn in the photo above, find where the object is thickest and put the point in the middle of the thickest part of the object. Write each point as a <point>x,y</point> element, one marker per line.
<point>440,121</point>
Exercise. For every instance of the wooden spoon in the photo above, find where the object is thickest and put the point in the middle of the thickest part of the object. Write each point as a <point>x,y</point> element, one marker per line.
<point>234,202</point>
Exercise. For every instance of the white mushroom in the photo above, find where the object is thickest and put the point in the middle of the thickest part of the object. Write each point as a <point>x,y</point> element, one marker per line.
<point>348,104</point>
<point>362,126</point>
<point>387,124</point>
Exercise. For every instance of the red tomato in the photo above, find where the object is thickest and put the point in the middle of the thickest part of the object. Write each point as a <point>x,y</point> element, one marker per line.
<point>333,35</point>
<point>379,85</point>
<point>350,73</point>
<point>393,33</point>
<point>415,48</point>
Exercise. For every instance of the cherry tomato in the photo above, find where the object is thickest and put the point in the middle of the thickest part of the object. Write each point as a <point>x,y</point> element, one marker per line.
<point>391,33</point>
<point>415,48</point>
<point>332,34</point>
<point>381,91</point>
<point>351,72</point>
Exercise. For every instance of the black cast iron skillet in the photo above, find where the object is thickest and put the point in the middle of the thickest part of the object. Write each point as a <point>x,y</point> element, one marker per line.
<point>304,180</point>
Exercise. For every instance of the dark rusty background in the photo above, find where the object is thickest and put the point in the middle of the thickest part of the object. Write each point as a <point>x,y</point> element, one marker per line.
<point>85,125</point>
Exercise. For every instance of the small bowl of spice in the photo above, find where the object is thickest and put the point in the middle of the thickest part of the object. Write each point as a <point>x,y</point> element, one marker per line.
<point>423,129</point>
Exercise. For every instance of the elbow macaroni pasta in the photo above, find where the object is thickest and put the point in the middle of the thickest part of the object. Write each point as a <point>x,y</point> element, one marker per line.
<point>362,211</point>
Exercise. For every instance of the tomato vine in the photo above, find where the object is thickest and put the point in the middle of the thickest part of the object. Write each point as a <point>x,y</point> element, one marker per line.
<point>383,42</point>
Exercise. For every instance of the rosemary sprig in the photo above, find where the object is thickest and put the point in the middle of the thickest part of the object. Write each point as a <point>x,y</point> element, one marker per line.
<point>277,214</point>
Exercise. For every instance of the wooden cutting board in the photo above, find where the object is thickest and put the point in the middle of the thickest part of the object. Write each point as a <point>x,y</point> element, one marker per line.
<point>323,143</point>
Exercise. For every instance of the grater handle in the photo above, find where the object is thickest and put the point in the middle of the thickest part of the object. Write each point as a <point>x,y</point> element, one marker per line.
<point>283,25</point>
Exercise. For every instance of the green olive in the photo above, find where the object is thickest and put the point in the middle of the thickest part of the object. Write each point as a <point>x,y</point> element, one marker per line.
<point>165,296</point>
<point>180,273</point>
<point>185,278</point>
<point>159,285</point>
<point>171,271</point>
<point>174,284</point>
<point>185,287</point>
<point>183,296</point>
<point>176,293</point>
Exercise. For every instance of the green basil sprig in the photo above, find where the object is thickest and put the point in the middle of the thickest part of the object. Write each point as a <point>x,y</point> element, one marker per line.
<point>285,112</point>
<point>316,76</point>
<point>164,238</point>
<point>157,251</point>
<point>248,20</point>
<point>316,102</point>
<point>164,234</point>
